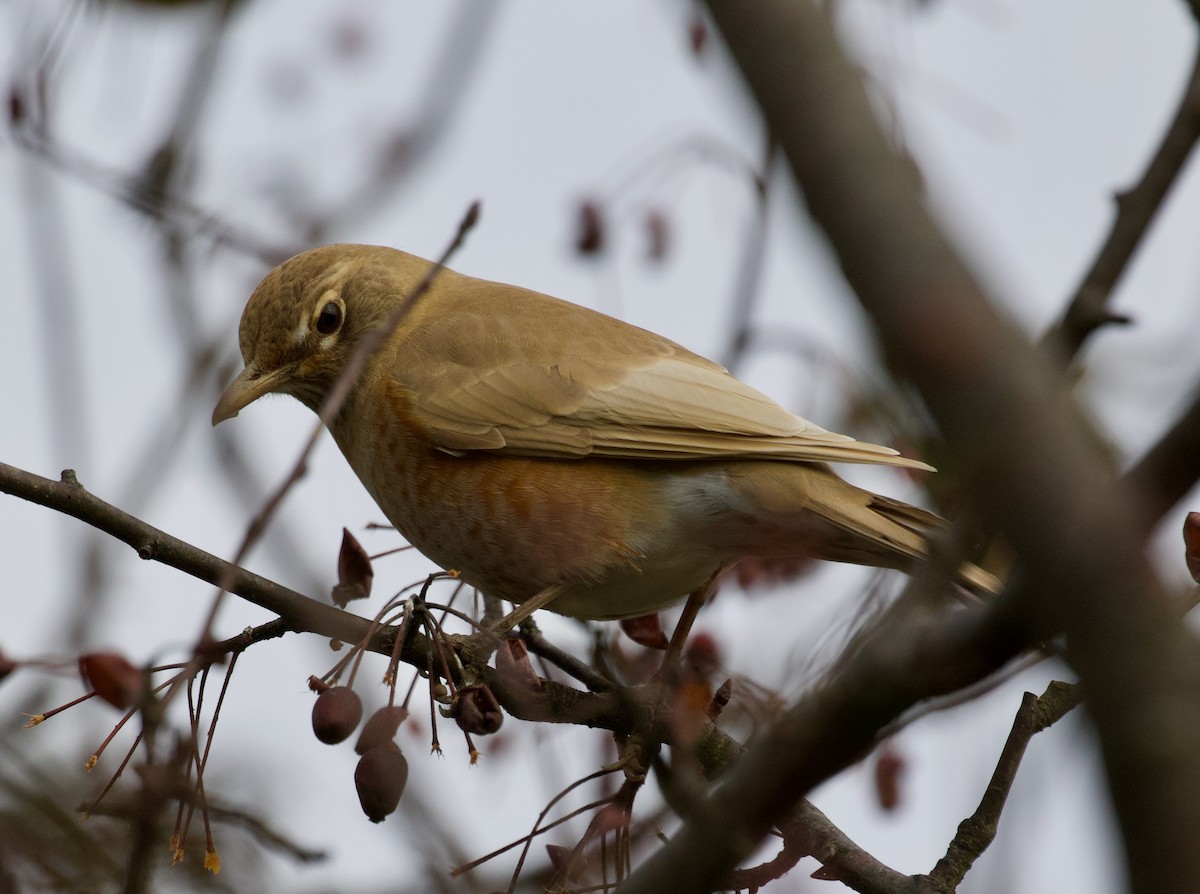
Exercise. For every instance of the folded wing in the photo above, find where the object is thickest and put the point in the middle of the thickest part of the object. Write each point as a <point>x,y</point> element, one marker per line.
<point>610,390</point>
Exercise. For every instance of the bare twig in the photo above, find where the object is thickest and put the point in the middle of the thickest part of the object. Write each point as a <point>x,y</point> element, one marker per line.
<point>69,497</point>
<point>1136,210</point>
<point>978,830</point>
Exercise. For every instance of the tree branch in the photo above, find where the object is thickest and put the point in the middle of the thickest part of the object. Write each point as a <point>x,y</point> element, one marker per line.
<point>551,703</point>
<point>1136,210</point>
<point>977,831</point>
<point>1026,455</point>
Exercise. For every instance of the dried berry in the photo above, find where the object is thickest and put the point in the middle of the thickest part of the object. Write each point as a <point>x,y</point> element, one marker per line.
<point>658,235</point>
<point>336,714</point>
<point>889,767</point>
<point>477,711</point>
<point>354,572</point>
<point>379,780</point>
<point>113,677</point>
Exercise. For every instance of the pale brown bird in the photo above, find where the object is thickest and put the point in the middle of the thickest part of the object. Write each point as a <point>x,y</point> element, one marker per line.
<point>543,449</point>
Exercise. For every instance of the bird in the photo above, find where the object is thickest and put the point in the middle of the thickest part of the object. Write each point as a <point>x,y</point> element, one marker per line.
<point>552,455</point>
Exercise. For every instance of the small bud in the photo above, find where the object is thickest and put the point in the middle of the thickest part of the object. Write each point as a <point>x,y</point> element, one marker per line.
<point>720,699</point>
<point>380,728</point>
<point>355,574</point>
<point>515,669</point>
<point>658,236</point>
<point>889,767</point>
<point>336,714</point>
<point>567,863</point>
<point>697,34</point>
<point>379,780</point>
<point>591,229</point>
<point>477,711</point>
<point>113,677</point>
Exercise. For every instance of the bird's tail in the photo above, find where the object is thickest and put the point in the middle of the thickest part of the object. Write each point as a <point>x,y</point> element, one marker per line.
<point>922,523</point>
<point>808,510</point>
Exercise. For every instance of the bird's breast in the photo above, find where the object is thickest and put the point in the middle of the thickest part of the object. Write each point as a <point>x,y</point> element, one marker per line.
<point>515,525</point>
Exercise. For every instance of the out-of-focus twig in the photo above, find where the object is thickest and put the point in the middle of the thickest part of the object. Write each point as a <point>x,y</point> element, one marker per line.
<point>749,273</point>
<point>445,88</point>
<point>1168,470</point>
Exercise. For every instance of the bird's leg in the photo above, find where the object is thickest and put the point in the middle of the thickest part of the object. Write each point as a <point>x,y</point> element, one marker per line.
<point>477,649</point>
<point>691,609</point>
<point>539,600</point>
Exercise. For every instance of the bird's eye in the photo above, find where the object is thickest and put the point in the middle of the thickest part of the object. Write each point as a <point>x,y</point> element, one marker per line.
<point>330,318</point>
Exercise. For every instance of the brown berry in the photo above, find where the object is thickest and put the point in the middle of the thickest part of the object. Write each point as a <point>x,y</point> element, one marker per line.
<point>336,714</point>
<point>379,780</point>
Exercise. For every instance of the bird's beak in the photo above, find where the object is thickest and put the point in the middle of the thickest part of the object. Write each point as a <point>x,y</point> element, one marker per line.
<point>251,384</point>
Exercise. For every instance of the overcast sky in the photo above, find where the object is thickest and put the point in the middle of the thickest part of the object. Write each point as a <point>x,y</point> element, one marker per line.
<point>1024,117</point>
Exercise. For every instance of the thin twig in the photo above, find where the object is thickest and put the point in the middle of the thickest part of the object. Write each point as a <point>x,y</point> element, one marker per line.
<point>978,830</point>
<point>1136,210</point>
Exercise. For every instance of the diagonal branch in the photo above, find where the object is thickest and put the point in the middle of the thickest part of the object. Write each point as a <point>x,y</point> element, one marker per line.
<point>1024,451</point>
<point>978,830</point>
<point>69,497</point>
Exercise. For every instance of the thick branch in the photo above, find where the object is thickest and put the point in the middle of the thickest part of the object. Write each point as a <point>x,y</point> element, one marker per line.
<point>1025,453</point>
<point>823,733</point>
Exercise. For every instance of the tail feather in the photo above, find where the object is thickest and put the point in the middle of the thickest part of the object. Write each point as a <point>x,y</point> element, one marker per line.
<point>861,527</point>
<point>924,524</point>
<point>808,511</point>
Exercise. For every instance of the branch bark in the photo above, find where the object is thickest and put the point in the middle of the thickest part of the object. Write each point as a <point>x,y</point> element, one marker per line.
<point>1026,455</point>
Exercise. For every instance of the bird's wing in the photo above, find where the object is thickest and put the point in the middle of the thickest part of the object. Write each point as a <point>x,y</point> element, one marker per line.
<point>496,368</point>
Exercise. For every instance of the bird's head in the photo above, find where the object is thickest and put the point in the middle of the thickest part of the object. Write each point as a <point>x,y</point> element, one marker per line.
<point>304,319</point>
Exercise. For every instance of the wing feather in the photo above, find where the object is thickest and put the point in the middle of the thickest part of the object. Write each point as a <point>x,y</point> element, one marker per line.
<point>497,368</point>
